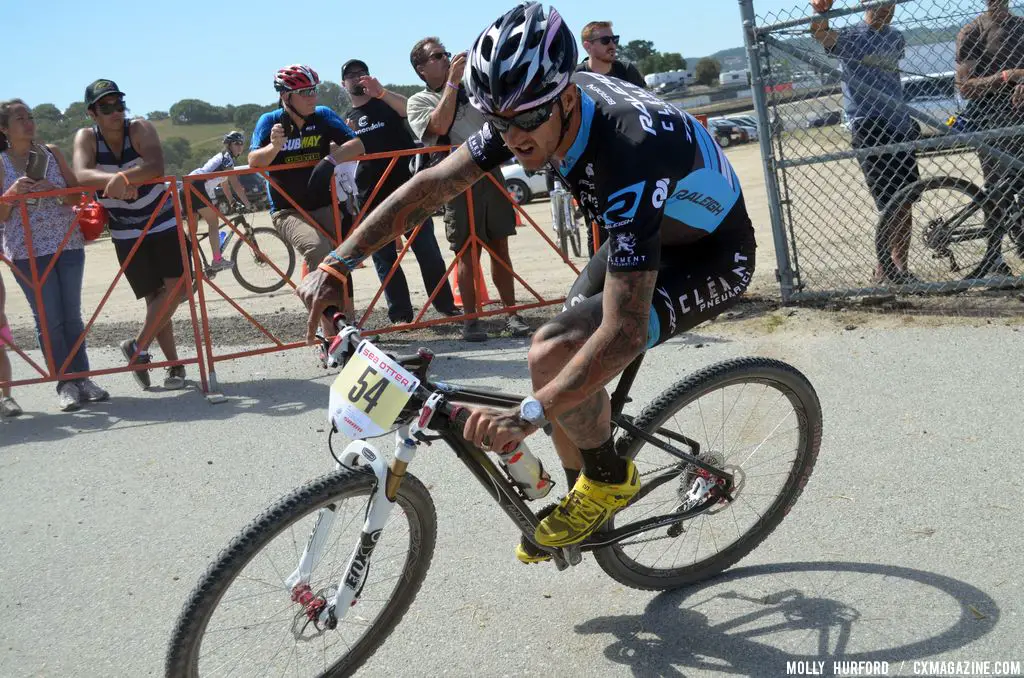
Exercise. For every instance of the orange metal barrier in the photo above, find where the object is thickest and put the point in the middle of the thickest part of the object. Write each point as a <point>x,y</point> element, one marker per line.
<point>54,372</point>
<point>212,357</point>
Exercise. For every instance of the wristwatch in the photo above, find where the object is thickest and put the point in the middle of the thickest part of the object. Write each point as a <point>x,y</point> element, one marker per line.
<point>531,411</point>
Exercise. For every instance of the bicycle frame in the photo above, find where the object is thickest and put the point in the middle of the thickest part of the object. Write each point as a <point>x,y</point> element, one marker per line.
<point>361,454</point>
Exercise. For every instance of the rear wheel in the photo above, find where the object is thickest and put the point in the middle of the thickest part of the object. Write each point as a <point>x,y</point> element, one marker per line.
<point>241,618</point>
<point>952,221</point>
<point>253,257</point>
<point>519,191</point>
<point>756,418</point>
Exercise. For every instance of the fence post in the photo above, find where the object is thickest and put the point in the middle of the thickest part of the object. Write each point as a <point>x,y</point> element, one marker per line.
<point>784,269</point>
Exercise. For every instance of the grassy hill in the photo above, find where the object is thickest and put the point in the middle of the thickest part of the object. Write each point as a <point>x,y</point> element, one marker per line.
<point>198,136</point>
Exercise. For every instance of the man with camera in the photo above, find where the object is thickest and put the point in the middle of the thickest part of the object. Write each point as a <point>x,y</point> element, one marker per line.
<point>378,118</point>
<point>441,115</point>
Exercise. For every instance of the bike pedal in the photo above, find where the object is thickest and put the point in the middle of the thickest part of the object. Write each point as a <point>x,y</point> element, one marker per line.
<point>573,555</point>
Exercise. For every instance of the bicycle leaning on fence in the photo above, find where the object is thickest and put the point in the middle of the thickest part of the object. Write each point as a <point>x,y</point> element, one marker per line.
<point>263,245</point>
<point>961,226</point>
<point>319,580</point>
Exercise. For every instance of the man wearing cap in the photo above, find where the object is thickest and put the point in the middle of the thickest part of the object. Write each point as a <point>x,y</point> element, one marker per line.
<point>378,118</point>
<point>117,156</point>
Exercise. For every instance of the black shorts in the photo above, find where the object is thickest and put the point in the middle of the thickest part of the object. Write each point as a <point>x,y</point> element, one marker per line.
<point>885,173</point>
<point>157,259</point>
<point>695,284</point>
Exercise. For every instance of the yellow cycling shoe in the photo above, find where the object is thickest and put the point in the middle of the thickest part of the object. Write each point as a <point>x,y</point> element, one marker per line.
<point>529,555</point>
<point>587,507</point>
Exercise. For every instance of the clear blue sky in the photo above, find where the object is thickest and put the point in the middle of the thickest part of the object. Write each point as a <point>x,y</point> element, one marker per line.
<point>226,51</point>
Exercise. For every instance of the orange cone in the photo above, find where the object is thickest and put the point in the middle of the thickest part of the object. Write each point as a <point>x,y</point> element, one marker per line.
<point>482,297</point>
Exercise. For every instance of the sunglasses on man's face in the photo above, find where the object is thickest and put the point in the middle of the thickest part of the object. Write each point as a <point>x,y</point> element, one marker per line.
<point>107,109</point>
<point>307,92</point>
<point>438,56</point>
<point>527,121</point>
<point>605,39</point>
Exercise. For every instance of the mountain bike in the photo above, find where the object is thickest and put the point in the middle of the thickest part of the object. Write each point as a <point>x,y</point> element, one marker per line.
<point>317,582</point>
<point>565,214</point>
<point>959,228</point>
<point>262,245</point>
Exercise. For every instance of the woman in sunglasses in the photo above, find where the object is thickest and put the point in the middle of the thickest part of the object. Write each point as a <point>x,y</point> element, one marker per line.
<point>652,175</point>
<point>602,48</point>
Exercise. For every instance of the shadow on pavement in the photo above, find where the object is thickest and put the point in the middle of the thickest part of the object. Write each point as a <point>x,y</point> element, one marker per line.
<point>864,613</point>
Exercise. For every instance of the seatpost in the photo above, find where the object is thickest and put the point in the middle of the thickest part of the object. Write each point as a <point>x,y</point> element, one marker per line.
<point>621,395</point>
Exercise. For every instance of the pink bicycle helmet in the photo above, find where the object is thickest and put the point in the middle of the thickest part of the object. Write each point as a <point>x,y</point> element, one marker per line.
<point>522,60</point>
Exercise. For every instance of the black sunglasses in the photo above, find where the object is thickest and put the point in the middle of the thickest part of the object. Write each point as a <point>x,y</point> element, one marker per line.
<point>605,39</point>
<point>107,109</point>
<point>307,91</point>
<point>526,121</point>
<point>437,56</point>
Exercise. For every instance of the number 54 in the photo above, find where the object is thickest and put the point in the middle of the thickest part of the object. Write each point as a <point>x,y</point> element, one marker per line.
<point>364,391</point>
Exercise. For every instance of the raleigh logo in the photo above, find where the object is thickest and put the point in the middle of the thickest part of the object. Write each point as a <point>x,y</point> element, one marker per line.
<point>623,205</point>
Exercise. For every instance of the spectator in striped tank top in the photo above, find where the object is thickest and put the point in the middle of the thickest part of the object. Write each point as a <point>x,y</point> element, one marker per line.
<point>116,156</point>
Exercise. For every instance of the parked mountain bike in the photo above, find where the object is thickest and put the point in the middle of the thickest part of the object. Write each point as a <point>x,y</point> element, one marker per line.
<point>958,228</point>
<point>566,217</point>
<point>252,254</point>
<point>315,584</point>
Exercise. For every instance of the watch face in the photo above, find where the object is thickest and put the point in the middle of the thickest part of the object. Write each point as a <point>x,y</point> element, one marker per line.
<point>532,410</point>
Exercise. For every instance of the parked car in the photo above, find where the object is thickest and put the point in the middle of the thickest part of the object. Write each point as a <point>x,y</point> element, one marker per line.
<point>934,94</point>
<point>727,133</point>
<point>255,189</point>
<point>748,125</point>
<point>523,186</point>
<point>827,119</point>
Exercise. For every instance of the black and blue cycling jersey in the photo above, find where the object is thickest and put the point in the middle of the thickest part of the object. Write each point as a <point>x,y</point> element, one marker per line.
<point>655,178</point>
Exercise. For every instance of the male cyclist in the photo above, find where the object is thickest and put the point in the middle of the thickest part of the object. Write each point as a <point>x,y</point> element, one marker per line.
<point>680,248</point>
<point>222,161</point>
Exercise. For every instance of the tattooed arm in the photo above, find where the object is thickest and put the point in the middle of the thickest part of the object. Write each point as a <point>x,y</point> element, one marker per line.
<point>406,208</point>
<point>409,207</point>
<point>621,337</point>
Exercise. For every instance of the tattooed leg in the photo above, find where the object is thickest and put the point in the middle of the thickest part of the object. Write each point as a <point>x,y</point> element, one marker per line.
<point>554,345</point>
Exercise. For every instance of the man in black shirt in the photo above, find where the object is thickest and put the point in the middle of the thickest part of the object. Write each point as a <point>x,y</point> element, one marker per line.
<point>378,120</point>
<point>602,47</point>
<point>990,75</point>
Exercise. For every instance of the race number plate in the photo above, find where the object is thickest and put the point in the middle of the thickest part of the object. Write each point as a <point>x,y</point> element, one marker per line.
<point>369,393</point>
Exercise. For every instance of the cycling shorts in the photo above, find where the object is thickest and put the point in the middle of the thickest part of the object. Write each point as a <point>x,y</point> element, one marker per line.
<point>695,283</point>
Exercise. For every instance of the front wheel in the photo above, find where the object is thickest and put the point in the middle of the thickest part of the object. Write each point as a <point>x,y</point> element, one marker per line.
<point>253,255</point>
<point>756,418</point>
<point>241,619</point>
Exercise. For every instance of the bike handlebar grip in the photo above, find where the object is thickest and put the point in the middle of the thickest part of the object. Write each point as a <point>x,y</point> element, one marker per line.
<point>459,415</point>
<point>334,314</point>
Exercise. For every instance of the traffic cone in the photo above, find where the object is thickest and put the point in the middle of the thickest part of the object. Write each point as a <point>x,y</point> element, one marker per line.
<point>482,297</point>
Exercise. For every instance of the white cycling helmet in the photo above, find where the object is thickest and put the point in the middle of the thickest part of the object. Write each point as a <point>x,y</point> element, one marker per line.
<point>522,60</point>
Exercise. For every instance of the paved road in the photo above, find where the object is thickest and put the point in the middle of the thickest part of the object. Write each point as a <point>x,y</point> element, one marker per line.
<point>905,546</point>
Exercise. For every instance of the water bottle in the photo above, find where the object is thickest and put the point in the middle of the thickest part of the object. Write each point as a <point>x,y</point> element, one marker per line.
<point>225,238</point>
<point>527,471</point>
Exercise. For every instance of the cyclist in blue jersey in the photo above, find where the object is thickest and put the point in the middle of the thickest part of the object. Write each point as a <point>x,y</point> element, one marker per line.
<point>680,248</point>
<point>222,161</point>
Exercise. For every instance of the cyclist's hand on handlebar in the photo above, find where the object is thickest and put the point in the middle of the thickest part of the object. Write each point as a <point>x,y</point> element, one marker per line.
<point>497,430</point>
<point>318,291</point>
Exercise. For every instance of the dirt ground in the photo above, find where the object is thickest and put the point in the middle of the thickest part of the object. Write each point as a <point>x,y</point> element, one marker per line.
<point>833,215</point>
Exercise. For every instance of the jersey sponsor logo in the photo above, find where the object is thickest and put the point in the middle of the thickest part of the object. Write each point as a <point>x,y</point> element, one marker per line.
<point>601,93</point>
<point>667,299</point>
<point>363,121</point>
<point>625,243</point>
<point>589,170</point>
<point>646,120</point>
<point>569,303</point>
<point>625,254</point>
<point>301,143</point>
<point>717,292</point>
<point>702,199</point>
<point>364,129</point>
<point>622,205</point>
<point>660,193</point>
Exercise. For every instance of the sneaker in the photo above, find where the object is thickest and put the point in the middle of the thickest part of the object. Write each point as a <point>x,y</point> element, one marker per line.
<point>69,398</point>
<point>9,408</point>
<point>587,507</point>
<point>91,391</point>
<point>899,277</point>
<point>221,264</point>
<point>517,327</point>
<point>450,312</point>
<point>472,331</point>
<point>128,348</point>
<point>175,378</point>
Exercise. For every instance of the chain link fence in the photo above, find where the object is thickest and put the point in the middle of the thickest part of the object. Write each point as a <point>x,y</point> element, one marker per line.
<point>892,136</point>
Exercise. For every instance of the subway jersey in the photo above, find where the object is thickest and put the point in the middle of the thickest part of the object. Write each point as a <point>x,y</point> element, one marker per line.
<point>642,167</point>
